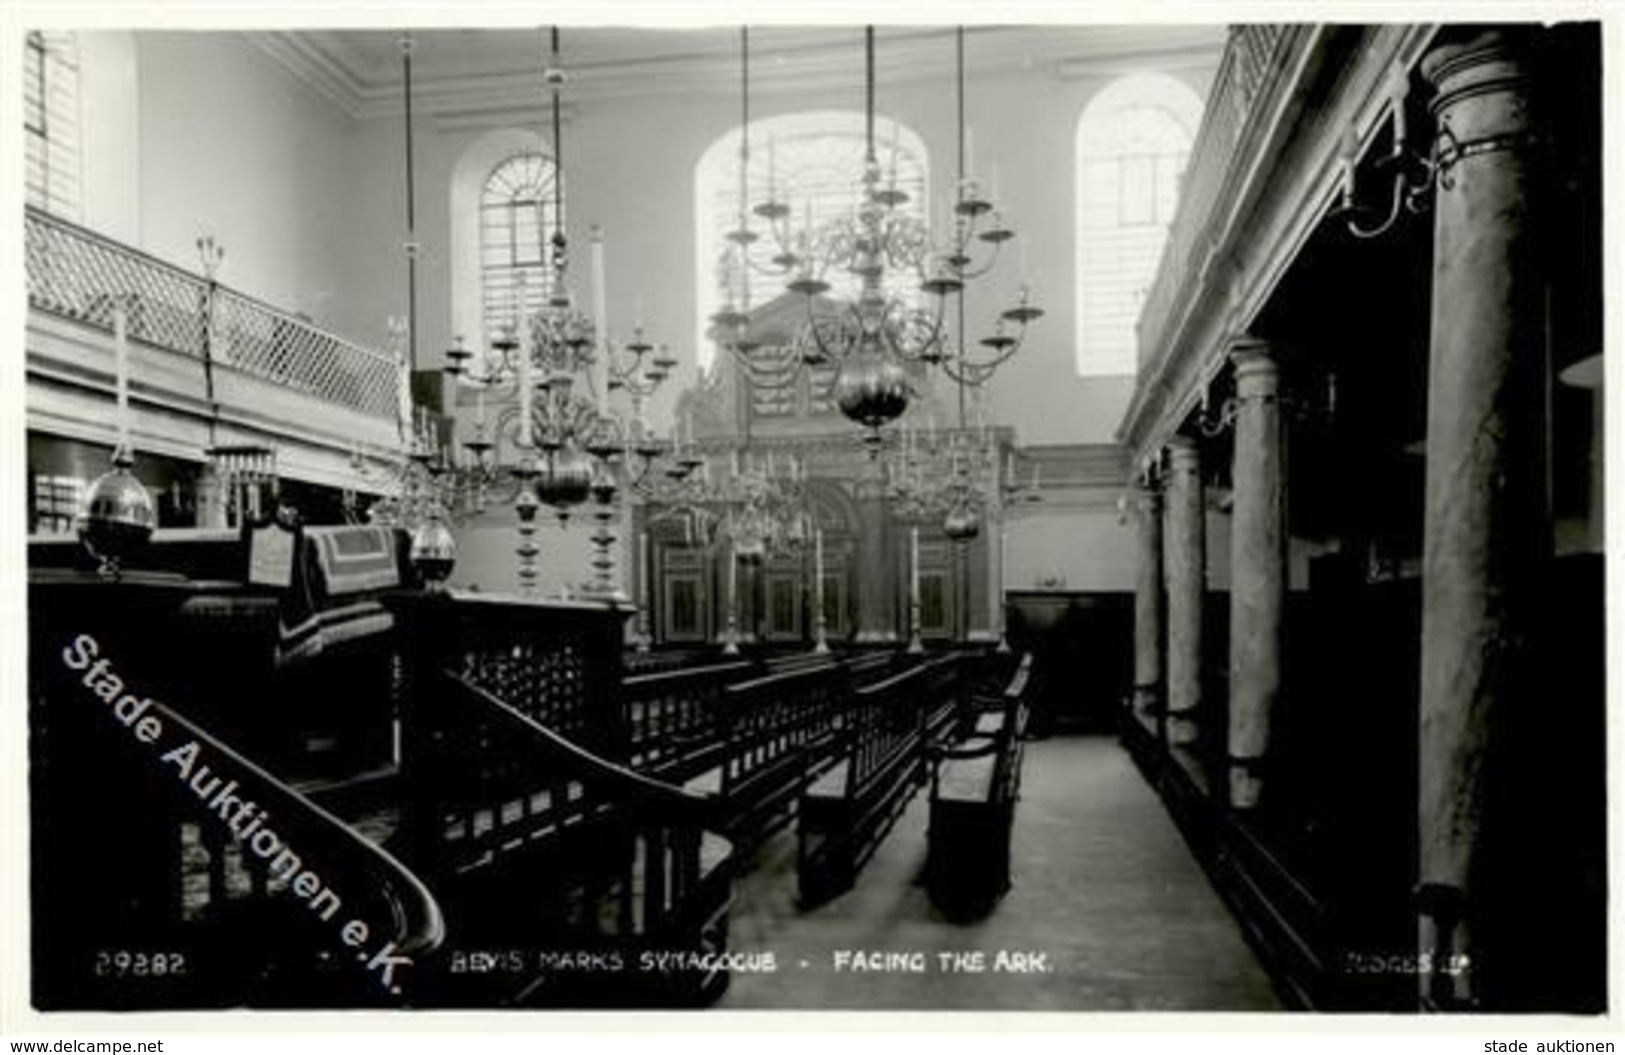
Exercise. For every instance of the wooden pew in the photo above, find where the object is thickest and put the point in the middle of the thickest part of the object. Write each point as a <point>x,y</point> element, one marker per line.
<point>672,716</point>
<point>771,731</point>
<point>756,741</point>
<point>974,787</point>
<point>849,808</point>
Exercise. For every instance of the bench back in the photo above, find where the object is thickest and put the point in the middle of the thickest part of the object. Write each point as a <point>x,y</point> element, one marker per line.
<point>672,715</point>
<point>769,718</point>
<point>886,719</point>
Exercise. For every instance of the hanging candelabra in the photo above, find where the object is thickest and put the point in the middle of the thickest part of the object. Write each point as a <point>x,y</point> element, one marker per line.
<point>562,445</point>
<point>873,339</point>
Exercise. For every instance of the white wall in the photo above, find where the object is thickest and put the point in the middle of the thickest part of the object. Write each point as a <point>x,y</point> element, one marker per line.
<point>1070,549</point>
<point>486,559</point>
<point>231,145</point>
<point>110,134</point>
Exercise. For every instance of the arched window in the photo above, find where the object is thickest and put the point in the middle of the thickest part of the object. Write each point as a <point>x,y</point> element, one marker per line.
<point>516,224</point>
<point>1133,140</point>
<point>813,162</point>
<point>51,121</point>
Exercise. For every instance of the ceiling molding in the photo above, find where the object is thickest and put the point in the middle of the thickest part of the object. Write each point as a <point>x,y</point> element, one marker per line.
<point>328,62</point>
<point>296,52</point>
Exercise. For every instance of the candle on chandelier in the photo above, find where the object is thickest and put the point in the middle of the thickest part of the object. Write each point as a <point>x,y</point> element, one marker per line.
<point>1398,89</point>
<point>1347,155</point>
<point>914,565</point>
<point>403,392</point>
<point>600,315</point>
<point>772,166</point>
<point>970,152</point>
<point>121,369</point>
<point>526,394</point>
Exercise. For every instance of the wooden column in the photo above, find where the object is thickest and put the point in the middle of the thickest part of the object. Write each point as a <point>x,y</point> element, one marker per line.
<point>1258,554</point>
<point>1149,609</point>
<point>1186,566</point>
<point>1486,529</point>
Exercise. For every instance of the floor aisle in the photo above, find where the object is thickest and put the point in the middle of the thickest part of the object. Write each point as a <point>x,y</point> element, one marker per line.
<point>1105,892</point>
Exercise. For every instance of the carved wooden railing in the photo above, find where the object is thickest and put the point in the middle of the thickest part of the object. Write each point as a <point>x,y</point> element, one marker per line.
<point>78,274</point>
<point>1245,87</point>
<point>556,864</point>
<point>565,864</point>
<point>556,662</point>
<point>170,870</point>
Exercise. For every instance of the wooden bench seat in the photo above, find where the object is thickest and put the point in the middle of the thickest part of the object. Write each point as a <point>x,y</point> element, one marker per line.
<point>847,810</point>
<point>975,784</point>
<point>966,779</point>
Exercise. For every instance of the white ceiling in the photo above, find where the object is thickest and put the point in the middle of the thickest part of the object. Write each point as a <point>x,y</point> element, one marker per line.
<point>455,68</point>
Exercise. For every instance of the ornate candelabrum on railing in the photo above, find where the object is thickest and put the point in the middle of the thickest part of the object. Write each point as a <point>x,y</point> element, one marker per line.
<point>871,338</point>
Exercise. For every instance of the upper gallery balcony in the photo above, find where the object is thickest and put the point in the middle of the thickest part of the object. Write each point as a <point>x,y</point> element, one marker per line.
<point>1265,169</point>
<point>209,366</point>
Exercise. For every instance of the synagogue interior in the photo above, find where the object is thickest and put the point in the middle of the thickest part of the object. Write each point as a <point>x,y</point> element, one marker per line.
<point>1077,517</point>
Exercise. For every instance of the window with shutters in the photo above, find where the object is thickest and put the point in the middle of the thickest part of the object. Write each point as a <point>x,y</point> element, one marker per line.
<point>1132,144</point>
<point>51,122</point>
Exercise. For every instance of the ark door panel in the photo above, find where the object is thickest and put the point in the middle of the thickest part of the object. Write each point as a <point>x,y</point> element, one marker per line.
<point>939,599</point>
<point>782,605</point>
<point>683,602</point>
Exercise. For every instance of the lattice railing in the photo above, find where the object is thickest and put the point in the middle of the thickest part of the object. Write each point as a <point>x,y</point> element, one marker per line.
<point>1242,89</point>
<point>78,274</point>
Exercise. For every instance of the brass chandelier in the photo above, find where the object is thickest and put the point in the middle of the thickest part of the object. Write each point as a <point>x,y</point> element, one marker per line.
<point>874,339</point>
<point>567,442</point>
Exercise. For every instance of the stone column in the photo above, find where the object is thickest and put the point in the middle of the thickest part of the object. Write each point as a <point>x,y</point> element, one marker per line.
<point>1185,554</point>
<point>1258,552</point>
<point>1149,608</point>
<point>1486,529</point>
<point>877,578</point>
